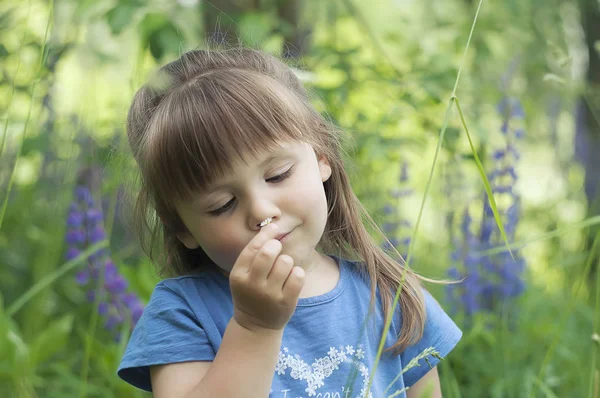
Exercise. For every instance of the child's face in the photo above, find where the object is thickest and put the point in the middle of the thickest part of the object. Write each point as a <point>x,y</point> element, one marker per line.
<point>285,184</point>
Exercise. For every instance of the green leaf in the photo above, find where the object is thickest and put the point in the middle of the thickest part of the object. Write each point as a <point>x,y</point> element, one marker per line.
<point>452,136</point>
<point>159,34</point>
<point>52,340</point>
<point>13,350</point>
<point>163,41</point>
<point>255,27</point>
<point>120,16</point>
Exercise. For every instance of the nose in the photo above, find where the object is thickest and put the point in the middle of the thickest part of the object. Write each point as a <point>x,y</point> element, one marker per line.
<point>261,207</point>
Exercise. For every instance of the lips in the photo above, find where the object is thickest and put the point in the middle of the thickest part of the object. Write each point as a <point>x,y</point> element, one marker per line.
<point>280,237</point>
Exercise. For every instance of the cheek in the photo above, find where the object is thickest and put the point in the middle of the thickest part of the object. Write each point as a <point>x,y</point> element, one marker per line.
<point>311,201</point>
<point>222,244</point>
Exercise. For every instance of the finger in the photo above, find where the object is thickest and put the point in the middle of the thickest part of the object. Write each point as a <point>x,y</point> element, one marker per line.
<point>294,283</point>
<point>264,260</point>
<point>280,271</point>
<point>248,254</point>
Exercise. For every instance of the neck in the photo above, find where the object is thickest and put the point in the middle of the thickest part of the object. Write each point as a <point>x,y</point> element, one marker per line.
<point>322,275</point>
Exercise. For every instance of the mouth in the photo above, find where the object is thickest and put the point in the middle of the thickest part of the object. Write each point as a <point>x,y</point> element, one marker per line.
<point>281,237</point>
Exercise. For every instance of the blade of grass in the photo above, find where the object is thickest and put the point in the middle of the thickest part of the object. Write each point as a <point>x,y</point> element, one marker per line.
<point>12,89</point>
<point>43,58</point>
<point>449,379</point>
<point>89,337</point>
<point>548,235</point>
<point>544,388</point>
<point>486,183</point>
<point>51,278</point>
<point>425,194</point>
<point>569,308</point>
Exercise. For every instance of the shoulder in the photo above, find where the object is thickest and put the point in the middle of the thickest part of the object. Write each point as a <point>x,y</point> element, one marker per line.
<point>202,286</point>
<point>437,321</point>
<point>440,334</point>
<point>182,322</point>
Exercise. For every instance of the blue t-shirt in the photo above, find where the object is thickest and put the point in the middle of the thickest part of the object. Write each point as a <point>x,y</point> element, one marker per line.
<point>328,349</point>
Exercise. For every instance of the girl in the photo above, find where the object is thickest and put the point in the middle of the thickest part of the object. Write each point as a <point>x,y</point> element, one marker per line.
<point>279,290</point>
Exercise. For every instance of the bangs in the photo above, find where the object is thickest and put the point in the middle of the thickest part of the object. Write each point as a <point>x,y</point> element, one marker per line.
<point>205,126</point>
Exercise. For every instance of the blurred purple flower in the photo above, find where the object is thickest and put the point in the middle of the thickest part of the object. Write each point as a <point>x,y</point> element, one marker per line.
<point>96,234</point>
<point>94,215</point>
<point>499,155</point>
<point>72,253</point>
<point>491,280</point>
<point>75,237</point>
<point>75,219</point>
<point>85,228</point>
<point>82,277</point>
<point>396,228</point>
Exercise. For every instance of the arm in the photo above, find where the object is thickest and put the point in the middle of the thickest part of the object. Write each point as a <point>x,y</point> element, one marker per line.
<point>244,367</point>
<point>265,287</point>
<point>427,387</point>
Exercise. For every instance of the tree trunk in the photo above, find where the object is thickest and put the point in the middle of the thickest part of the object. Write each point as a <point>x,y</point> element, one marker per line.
<point>221,18</point>
<point>296,42</point>
<point>587,134</point>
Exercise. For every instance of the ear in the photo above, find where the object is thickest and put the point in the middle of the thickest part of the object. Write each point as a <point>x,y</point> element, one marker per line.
<point>324,168</point>
<point>188,240</point>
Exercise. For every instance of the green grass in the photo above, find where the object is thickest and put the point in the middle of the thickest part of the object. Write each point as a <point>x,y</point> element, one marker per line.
<point>52,341</point>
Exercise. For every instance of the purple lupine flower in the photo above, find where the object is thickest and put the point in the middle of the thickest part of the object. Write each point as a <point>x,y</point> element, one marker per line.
<point>72,253</point>
<point>96,234</point>
<point>75,236</point>
<point>116,285</point>
<point>82,277</point>
<point>395,226</point>
<point>75,219</point>
<point>85,228</point>
<point>494,279</point>
<point>93,215</point>
<point>103,308</point>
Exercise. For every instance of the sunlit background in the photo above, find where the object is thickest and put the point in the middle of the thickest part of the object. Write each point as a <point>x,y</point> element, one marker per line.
<point>73,280</point>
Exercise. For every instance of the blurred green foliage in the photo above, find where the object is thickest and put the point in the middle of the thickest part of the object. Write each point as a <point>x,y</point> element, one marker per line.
<point>384,71</point>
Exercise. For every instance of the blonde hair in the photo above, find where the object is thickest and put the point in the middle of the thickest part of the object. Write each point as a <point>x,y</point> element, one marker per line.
<point>208,107</point>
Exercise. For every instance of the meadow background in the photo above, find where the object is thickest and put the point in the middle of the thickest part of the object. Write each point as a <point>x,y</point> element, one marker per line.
<point>73,280</point>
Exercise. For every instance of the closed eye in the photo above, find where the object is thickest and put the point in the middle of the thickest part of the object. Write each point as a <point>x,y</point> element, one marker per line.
<point>223,208</point>
<point>280,177</point>
<point>273,180</point>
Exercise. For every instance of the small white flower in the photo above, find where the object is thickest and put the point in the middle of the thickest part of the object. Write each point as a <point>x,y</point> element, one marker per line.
<point>360,354</point>
<point>349,350</point>
<point>364,371</point>
<point>266,222</point>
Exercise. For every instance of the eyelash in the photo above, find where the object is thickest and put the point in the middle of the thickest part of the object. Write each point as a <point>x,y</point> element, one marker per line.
<point>274,180</point>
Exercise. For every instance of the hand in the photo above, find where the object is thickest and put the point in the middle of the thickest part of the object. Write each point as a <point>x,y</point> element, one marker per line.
<point>265,285</point>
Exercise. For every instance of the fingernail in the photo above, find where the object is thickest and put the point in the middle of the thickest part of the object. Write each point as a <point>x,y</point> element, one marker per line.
<point>273,227</point>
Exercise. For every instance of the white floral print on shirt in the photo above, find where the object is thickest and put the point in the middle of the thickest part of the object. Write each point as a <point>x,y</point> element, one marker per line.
<point>315,374</point>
